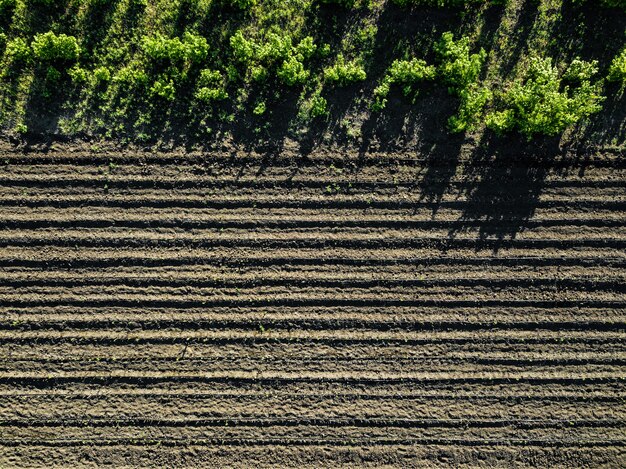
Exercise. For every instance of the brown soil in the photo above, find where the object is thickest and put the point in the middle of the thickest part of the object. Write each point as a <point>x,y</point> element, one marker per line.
<point>240,310</point>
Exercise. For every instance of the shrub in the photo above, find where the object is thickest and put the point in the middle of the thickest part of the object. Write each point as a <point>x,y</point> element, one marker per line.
<point>211,86</point>
<point>276,47</point>
<point>78,74</point>
<point>539,104</point>
<point>196,48</point>
<point>345,73</point>
<point>318,106</point>
<point>163,88</point>
<point>277,53</point>
<point>259,109</point>
<point>305,49</point>
<point>404,73</point>
<point>243,49</point>
<point>501,121</point>
<point>457,67</point>
<point>52,75</point>
<point>17,51</point>
<point>48,47</point>
<point>473,101</point>
<point>130,77</point>
<point>617,71</point>
<point>580,71</point>
<point>102,75</point>
<point>191,49</point>
<point>292,72</point>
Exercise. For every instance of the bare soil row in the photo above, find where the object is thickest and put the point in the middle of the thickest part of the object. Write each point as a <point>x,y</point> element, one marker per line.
<point>334,310</point>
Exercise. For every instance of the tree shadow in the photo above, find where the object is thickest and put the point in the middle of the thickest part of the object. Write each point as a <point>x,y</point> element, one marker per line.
<point>502,182</point>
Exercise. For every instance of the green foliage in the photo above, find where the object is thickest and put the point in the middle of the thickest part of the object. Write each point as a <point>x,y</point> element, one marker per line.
<point>192,49</point>
<point>17,52</point>
<point>79,75</point>
<point>406,74</point>
<point>102,75</point>
<point>458,67</point>
<point>259,109</point>
<point>276,53</point>
<point>319,106</point>
<point>52,75</point>
<point>211,86</point>
<point>243,49</point>
<point>540,103</point>
<point>130,77</point>
<point>473,101</point>
<point>617,71</point>
<point>48,47</point>
<point>163,88</point>
<point>345,73</point>
<point>292,72</point>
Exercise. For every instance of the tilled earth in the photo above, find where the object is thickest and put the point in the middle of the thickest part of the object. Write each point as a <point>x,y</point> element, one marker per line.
<point>359,311</point>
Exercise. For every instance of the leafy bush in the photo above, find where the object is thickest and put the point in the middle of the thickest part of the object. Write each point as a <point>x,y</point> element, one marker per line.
<point>102,75</point>
<point>319,106</point>
<point>473,101</point>
<point>243,49</point>
<point>406,74</point>
<point>457,67</point>
<point>131,77</point>
<point>305,49</point>
<point>540,104</point>
<point>292,72</point>
<point>277,53</point>
<point>617,71</point>
<point>163,88</point>
<point>79,75</point>
<point>275,47</point>
<point>259,108</point>
<point>345,73</point>
<point>211,86</point>
<point>48,47</point>
<point>192,49</point>
<point>17,51</point>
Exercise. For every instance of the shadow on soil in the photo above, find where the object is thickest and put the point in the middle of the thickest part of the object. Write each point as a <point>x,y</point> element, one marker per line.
<point>502,184</point>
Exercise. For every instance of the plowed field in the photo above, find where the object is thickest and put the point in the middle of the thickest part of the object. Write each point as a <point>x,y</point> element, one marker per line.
<point>381,311</point>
